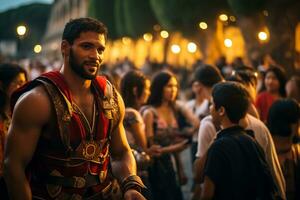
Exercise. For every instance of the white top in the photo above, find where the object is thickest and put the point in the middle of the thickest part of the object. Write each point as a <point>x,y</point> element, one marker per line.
<point>198,111</point>
<point>207,134</point>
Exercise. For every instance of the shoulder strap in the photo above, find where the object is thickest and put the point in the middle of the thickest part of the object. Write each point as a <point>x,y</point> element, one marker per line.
<point>111,106</point>
<point>63,111</point>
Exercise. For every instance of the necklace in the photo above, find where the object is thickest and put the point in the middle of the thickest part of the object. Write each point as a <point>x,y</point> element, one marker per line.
<point>91,127</point>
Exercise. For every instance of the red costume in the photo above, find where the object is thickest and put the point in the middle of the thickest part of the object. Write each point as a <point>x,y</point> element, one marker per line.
<point>73,161</point>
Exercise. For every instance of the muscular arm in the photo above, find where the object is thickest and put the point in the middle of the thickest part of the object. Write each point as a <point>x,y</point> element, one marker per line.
<point>123,163</point>
<point>31,113</point>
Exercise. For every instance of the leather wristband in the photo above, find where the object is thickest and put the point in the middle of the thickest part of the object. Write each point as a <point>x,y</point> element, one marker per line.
<point>132,182</point>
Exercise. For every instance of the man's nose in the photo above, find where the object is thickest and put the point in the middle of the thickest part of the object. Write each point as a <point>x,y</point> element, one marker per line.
<point>94,54</point>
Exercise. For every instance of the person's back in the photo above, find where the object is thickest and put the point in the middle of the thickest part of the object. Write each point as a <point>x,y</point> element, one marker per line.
<point>207,133</point>
<point>236,161</point>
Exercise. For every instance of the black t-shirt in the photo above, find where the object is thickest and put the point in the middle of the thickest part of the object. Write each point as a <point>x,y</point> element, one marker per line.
<point>236,165</point>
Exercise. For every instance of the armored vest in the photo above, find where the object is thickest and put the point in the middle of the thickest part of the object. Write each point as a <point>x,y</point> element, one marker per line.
<point>73,161</point>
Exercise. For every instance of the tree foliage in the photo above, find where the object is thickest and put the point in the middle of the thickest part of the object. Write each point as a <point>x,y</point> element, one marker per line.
<point>247,7</point>
<point>184,15</point>
<point>104,11</point>
<point>139,17</point>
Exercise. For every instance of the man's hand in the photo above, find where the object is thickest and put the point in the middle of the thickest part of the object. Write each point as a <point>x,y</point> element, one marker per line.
<point>133,195</point>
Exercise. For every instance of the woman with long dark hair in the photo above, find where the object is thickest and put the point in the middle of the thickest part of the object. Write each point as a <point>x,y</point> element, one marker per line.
<point>162,129</point>
<point>272,90</point>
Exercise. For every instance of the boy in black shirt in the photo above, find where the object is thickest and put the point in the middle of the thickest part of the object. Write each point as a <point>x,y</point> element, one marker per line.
<point>235,167</point>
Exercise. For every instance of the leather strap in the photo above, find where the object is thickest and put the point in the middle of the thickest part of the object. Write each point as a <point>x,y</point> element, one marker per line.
<point>74,181</point>
<point>132,182</point>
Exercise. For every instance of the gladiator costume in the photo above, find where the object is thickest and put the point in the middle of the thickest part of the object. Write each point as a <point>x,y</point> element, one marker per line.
<point>73,162</point>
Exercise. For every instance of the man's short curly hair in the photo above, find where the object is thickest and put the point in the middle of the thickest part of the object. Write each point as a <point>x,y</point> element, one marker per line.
<point>75,27</point>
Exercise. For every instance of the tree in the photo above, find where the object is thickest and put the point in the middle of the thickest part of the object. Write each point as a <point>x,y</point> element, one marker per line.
<point>139,17</point>
<point>104,11</point>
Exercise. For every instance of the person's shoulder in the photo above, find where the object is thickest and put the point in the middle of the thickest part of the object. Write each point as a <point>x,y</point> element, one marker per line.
<point>34,103</point>
<point>36,97</point>
<point>221,143</point>
<point>132,112</point>
<point>207,121</point>
<point>147,110</point>
<point>254,120</point>
<point>256,124</point>
<point>207,131</point>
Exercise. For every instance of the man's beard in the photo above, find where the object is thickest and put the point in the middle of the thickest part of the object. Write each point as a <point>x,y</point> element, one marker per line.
<point>78,68</point>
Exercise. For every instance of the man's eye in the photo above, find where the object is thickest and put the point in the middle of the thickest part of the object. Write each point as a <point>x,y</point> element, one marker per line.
<point>86,46</point>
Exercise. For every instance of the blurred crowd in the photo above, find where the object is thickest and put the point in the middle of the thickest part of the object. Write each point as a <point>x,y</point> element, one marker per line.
<point>168,111</point>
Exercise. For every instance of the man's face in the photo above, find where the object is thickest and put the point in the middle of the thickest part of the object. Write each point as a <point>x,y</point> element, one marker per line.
<point>86,54</point>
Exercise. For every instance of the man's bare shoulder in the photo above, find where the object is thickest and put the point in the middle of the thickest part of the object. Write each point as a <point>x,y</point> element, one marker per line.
<point>34,104</point>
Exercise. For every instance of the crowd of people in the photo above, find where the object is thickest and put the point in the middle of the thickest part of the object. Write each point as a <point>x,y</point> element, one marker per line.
<point>82,132</point>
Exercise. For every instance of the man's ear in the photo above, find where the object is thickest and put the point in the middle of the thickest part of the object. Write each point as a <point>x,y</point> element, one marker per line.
<point>222,111</point>
<point>65,48</point>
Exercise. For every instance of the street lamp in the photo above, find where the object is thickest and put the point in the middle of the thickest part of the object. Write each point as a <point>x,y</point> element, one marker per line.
<point>164,34</point>
<point>262,35</point>
<point>192,47</point>
<point>223,17</point>
<point>148,37</point>
<point>175,48</point>
<point>203,25</point>
<point>21,31</point>
<point>228,43</point>
<point>37,48</point>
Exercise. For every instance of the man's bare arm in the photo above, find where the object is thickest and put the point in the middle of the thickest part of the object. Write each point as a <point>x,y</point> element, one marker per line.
<point>123,163</point>
<point>31,113</point>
